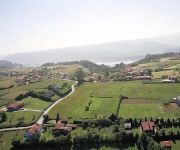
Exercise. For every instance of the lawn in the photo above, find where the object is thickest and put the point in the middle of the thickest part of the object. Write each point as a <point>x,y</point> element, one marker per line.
<point>35,103</point>
<point>104,97</point>
<point>13,118</point>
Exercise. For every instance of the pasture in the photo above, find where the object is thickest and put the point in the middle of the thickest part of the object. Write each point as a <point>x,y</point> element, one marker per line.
<point>105,96</point>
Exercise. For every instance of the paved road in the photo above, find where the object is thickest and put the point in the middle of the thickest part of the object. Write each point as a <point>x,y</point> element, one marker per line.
<point>40,120</point>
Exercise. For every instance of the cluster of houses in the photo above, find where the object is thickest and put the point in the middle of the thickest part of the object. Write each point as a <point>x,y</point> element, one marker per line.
<point>61,128</point>
<point>148,127</point>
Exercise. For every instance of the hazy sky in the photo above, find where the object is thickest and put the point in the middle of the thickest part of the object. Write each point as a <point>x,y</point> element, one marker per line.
<point>28,25</point>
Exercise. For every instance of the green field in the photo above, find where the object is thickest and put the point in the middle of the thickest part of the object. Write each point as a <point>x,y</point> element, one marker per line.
<point>35,103</point>
<point>104,97</point>
<point>13,118</point>
<point>142,108</point>
<point>9,95</point>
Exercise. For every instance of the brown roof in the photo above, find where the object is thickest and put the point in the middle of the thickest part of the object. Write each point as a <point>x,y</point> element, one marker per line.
<point>148,125</point>
<point>15,105</point>
<point>166,143</point>
<point>35,128</point>
<point>59,124</point>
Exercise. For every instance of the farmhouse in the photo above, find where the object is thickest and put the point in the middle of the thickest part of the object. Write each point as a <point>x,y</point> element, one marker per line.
<point>148,126</point>
<point>34,132</point>
<point>60,128</point>
<point>15,106</point>
<point>166,144</point>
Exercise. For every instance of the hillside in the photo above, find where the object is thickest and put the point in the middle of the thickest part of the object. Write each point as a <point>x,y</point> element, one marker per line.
<point>8,64</point>
<point>114,51</point>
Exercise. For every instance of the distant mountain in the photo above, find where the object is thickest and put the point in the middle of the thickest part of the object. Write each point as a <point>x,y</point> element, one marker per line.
<point>114,51</point>
<point>7,64</point>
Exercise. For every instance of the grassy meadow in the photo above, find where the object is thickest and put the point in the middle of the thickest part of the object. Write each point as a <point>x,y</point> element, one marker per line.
<point>9,95</point>
<point>35,103</point>
<point>13,118</point>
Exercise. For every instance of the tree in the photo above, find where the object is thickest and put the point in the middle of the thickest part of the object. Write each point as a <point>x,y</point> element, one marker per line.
<point>57,117</point>
<point>79,74</point>
<point>45,118</point>
<point>4,117</point>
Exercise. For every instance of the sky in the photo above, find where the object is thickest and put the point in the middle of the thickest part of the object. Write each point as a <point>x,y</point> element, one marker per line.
<point>31,25</point>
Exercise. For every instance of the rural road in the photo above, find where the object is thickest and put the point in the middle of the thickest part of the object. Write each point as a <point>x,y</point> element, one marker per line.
<point>40,120</point>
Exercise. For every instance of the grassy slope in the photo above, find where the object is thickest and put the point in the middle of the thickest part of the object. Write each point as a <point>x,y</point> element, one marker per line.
<point>8,95</point>
<point>74,105</point>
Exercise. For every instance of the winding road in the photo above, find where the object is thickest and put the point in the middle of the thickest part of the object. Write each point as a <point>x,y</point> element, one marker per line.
<point>40,120</point>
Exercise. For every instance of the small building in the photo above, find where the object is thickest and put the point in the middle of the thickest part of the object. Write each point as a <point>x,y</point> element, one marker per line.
<point>34,132</point>
<point>148,126</point>
<point>166,144</point>
<point>15,106</point>
<point>62,131</point>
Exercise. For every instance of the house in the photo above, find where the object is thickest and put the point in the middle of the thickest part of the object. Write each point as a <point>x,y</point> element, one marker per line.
<point>148,126</point>
<point>177,100</point>
<point>58,125</point>
<point>15,106</point>
<point>34,132</point>
<point>60,128</point>
<point>166,144</point>
<point>62,131</point>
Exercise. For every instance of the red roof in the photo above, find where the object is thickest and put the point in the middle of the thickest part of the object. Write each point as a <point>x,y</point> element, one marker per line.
<point>166,143</point>
<point>147,126</point>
